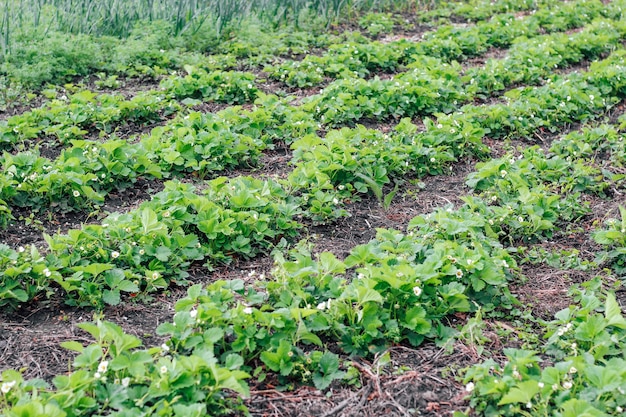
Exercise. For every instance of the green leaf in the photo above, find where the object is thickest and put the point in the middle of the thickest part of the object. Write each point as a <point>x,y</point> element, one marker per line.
<point>213,335</point>
<point>120,362</point>
<point>323,381</point>
<point>235,384</point>
<point>73,345</point>
<point>88,357</point>
<point>111,297</point>
<point>233,361</point>
<point>166,329</point>
<point>192,410</point>
<point>329,363</point>
<point>580,408</point>
<point>114,277</point>
<point>613,312</point>
<point>331,264</point>
<point>19,294</point>
<point>373,186</point>
<point>272,360</point>
<point>367,294</point>
<point>303,334</point>
<point>416,320</point>
<point>94,269</point>
<point>328,371</point>
<point>163,253</point>
<point>522,393</point>
<point>150,222</point>
<point>127,286</point>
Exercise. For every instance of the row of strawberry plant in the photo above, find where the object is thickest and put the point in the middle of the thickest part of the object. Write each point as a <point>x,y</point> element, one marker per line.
<point>359,160</point>
<point>554,16</point>
<point>116,375</point>
<point>613,238</point>
<point>432,86</point>
<point>320,200</point>
<point>398,289</point>
<point>68,121</point>
<point>82,176</point>
<point>350,162</point>
<point>338,178</point>
<point>373,175</point>
<point>285,354</point>
<point>68,118</point>
<point>479,10</point>
<point>274,120</point>
<point>584,350</point>
<point>72,118</point>
<point>203,145</point>
<point>447,43</point>
<point>603,146</point>
<point>585,341</point>
<point>149,247</point>
<point>531,61</point>
<point>576,97</point>
<point>309,299</point>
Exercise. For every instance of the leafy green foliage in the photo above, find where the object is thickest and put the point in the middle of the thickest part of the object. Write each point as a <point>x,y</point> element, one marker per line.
<point>145,249</point>
<point>116,375</point>
<point>585,345</point>
<point>613,237</point>
<point>72,117</point>
<point>79,178</point>
<point>222,86</point>
<point>377,23</point>
<point>24,275</point>
<point>431,86</point>
<point>202,144</point>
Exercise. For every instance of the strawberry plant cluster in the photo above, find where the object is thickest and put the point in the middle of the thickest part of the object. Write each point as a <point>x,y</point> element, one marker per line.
<point>72,117</point>
<point>447,42</point>
<point>301,322</point>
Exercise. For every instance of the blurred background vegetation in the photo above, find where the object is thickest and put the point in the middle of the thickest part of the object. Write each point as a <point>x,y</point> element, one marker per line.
<point>53,41</point>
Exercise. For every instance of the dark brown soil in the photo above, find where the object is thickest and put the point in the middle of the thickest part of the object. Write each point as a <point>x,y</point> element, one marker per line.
<point>411,384</point>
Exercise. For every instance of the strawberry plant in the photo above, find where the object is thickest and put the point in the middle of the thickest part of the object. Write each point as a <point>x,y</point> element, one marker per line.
<point>584,345</point>
<point>530,61</point>
<point>377,23</point>
<point>72,118</point>
<point>25,274</point>
<point>201,144</point>
<point>307,318</point>
<point>430,86</point>
<point>481,9</point>
<point>613,237</point>
<point>146,249</point>
<point>143,380</point>
<point>222,86</point>
<point>78,179</point>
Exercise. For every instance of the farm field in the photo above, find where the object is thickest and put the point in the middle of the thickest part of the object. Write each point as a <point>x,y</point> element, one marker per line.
<point>397,209</point>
